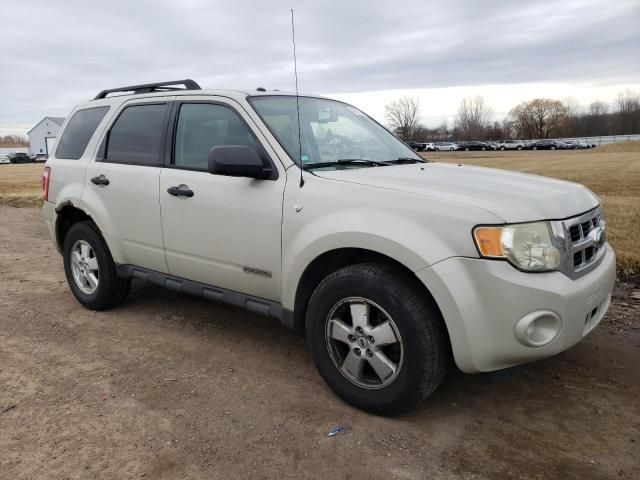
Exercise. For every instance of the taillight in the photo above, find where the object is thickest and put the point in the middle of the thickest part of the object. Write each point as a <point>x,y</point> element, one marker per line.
<point>46,176</point>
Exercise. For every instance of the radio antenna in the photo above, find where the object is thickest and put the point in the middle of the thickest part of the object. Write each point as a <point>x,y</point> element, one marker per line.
<point>295,71</point>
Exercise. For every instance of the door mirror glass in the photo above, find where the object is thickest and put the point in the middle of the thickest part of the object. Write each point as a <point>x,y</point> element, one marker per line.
<point>237,161</point>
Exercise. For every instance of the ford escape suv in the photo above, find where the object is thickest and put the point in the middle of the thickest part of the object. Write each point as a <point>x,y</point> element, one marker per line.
<point>306,210</point>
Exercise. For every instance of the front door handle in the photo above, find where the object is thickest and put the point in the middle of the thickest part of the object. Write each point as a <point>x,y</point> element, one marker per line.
<point>100,180</point>
<point>180,191</point>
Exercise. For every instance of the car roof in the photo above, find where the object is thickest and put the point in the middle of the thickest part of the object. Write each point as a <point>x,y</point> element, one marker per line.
<point>238,95</point>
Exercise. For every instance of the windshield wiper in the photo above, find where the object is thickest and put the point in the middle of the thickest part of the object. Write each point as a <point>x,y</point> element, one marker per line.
<point>344,161</point>
<point>405,160</point>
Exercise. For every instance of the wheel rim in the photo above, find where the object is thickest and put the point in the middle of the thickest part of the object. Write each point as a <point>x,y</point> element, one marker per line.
<point>84,266</point>
<point>364,343</point>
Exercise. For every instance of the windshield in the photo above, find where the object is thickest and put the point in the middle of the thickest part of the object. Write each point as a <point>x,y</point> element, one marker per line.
<point>330,133</point>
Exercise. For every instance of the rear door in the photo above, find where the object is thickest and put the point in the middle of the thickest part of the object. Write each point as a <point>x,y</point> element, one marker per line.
<point>122,183</point>
<point>228,234</point>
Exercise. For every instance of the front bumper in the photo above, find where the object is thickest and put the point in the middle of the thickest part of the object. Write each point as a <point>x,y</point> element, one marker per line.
<point>484,302</point>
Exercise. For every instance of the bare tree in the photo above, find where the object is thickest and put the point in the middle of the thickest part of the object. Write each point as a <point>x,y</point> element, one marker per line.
<point>571,118</point>
<point>598,108</point>
<point>13,141</point>
<point>596,121</point>
<point>628,103</point>
<point>508,128</point>
<point>539,118</point>
<point>403,116</point>
<point>474,116</point>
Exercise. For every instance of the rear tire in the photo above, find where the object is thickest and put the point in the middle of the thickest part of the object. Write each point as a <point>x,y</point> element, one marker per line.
<point>92,277</point>
<point>377,295</point>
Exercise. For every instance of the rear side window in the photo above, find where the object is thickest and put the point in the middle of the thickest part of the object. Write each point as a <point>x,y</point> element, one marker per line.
<point>79,131</point>
<point>136,136</point>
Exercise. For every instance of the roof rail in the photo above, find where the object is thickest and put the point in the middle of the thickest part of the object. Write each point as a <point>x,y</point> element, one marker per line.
<point>152,87</point>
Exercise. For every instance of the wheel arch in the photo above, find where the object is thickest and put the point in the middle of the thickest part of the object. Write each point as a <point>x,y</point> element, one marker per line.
<point>69,213</point>
<point>330,261</point>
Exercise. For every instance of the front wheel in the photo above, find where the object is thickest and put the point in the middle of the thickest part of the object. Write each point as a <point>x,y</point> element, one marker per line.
<point>90,270</point>
<point>376,338</point>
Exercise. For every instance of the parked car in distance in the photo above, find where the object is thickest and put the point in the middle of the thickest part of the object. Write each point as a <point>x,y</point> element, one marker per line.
<point>390,264</point>
<point>572,144</point>
<point>4,159</point>
<point>446,146</point>
<point>429,147</point>
<point>40,157</point>
<point>511,145</point>
<point>475,145</point>
<point>545,145</point>
<point>418,147</point>
<point>19,157</point>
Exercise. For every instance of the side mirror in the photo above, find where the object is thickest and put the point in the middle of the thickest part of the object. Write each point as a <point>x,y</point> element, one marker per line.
<point>237,161</point>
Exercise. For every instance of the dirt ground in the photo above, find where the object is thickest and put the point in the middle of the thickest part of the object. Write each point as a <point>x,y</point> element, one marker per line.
<point>171,387</point>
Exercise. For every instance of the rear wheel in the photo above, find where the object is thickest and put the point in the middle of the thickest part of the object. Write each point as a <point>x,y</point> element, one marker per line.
<point>376,339</point>
<point>90,270</point>
<point>553,148</point>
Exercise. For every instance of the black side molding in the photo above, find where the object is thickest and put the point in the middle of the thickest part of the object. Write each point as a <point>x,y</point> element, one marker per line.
<point>252,304</point>
<point>187,84</point>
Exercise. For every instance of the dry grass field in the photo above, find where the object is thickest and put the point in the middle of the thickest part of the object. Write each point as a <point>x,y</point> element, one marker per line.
<point>21,185</point>
<point>612,171</point>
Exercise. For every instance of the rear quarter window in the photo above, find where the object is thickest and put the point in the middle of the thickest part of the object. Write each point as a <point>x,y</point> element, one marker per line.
<point>78,132</point>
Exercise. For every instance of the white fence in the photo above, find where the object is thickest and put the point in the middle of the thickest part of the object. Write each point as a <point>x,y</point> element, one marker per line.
<point>604,140</point>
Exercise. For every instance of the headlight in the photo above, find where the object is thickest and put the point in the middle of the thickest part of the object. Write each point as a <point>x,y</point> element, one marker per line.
<point>527,246</point>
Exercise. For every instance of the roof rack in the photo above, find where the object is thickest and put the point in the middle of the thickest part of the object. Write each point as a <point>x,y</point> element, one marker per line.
<point>152,87</point>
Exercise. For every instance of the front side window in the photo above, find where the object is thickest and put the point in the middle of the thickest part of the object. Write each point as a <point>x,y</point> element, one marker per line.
<point>330,132</point>
<point>202,126</point>
<point>136,135</point>
<point>78,132</point>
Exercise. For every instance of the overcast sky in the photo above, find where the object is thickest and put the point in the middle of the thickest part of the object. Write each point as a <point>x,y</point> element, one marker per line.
<point>55,54</point>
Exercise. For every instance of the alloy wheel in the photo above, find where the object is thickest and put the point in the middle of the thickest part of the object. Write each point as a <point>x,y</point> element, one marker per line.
<point>364,343</point>
<point>84,266</point>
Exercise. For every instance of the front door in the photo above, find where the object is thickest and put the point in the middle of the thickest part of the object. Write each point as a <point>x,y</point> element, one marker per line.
<point>228,233</point>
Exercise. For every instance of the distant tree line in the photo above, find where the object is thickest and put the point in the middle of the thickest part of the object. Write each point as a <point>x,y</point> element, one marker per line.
<point>13,141</point>
<point>538,118</point>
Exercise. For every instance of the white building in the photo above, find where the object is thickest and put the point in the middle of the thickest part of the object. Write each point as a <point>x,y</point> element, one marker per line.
<point>43,135</point>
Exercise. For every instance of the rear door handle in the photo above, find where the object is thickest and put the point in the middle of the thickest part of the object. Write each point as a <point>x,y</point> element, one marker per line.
<point>180,191</point>
<point>100,180</point>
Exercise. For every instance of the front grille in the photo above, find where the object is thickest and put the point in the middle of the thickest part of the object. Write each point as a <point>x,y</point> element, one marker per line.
<point>586,242</point>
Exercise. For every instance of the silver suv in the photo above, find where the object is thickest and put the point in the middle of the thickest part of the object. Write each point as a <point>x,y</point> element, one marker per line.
<point>306,210</point>
<point>510,145</point>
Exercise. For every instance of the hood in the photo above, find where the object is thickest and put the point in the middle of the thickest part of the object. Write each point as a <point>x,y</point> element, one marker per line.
<point>514,197</point>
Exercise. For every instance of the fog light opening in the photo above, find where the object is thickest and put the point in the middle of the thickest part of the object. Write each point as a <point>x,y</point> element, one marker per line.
<point>538,329</point>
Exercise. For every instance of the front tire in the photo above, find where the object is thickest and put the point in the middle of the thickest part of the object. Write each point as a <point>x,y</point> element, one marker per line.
<point>376,338</point>
<point>90,269</point>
